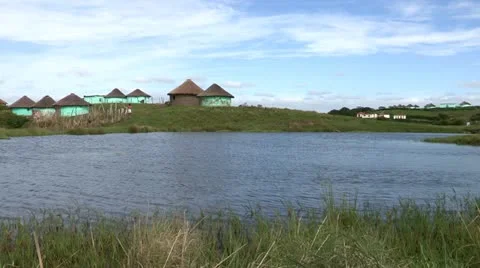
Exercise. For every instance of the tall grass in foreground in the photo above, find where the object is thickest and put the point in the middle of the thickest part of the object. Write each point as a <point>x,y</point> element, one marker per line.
<point>407,235</point>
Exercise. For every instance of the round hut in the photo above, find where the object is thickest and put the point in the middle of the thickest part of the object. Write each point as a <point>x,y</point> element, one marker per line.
<point>115,96</point>
<point>186,94</point>
<point>94,99</point>
<point>44,107</point>
<point>23,106</point>
<point>138,96</point>
<point>3,103</point>
<point>215,96</point>
<point>72,105</point>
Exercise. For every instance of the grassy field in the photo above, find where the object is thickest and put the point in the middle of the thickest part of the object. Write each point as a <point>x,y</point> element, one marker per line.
<point>406,235</point>
<point>473,140</point>
<point>154,118</point>
<point>258,120</point>
<point>461,113</point>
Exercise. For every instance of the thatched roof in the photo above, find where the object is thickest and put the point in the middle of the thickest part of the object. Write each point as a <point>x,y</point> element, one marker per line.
<point>465,103</point>
<point>71,100</point>
<point>45,102</point>
<point>23,102</point>
<point>115,93</point>
<point>138,93</point>
<point>215,91</point>
<point>430,105</point>
<point>2,102</point>
<point>187,88</point>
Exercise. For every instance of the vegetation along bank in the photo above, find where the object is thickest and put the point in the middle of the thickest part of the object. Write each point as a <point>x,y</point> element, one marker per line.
<point>473,140</point>
<point>158,118</point>
<point>407,235</point>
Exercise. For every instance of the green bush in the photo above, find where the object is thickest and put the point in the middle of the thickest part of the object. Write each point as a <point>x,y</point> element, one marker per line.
<point>10,120</point>
<point>86,131</point>
<point>475,117</point>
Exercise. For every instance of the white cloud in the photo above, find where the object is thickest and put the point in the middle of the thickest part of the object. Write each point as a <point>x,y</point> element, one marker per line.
<point>75,72</point>
<point>465,9</point>
<point>317,93</point>
<point>233,84</point>
<point>412,10</point>
<point>266,95</point>
<point>472,84</point>
<point>151,80</point>
<point>122,42</point>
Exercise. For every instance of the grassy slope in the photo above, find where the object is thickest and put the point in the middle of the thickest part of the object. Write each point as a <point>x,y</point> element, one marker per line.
<point>155,118</point>
<point>473,140</point>
<point>341,236</point>
<point>464,114</point>
<point>260,120</point>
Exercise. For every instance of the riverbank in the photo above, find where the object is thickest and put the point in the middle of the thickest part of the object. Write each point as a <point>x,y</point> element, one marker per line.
<point>154,118</point>
<point>342,236</point>
<point>472,140</point>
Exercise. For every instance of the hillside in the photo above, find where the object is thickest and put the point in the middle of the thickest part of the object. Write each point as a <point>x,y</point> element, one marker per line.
<point>458,116</point>
<point>250,119</point>
<point>155,118</point>
<point>437,115</point>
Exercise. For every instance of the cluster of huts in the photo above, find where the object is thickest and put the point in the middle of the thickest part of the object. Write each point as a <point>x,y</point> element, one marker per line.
<point>190,94</point>
<point>117,96</point>
<point>187,94</point>
<point>463,104</point>
<point>72,105</point>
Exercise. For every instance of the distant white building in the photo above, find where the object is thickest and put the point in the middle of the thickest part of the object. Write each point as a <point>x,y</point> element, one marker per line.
<point>399,117</point>
<point>386,116</point>
<point>366,115</point>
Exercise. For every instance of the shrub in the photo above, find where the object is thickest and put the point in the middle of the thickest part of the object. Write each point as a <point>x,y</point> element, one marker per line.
<point>10,120</point>
<point>86,131</point>
<point>475,117</point>
<point>133,129</point>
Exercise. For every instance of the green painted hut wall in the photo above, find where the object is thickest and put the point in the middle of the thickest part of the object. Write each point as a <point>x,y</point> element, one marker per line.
<point>73,110</point>
<point>94,99</point>
<point>22,111</point>
<point>216,101</point>
<point>45,111</point>
<point>135,100</point>
<point>115,100</point>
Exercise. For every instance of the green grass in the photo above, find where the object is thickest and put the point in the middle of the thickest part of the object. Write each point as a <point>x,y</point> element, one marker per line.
<point>407,235</point>
<point>473,140</point>
<point>154,118</point>
<point>247,119</point>
<point>3,134</point>
<point>465,113</point>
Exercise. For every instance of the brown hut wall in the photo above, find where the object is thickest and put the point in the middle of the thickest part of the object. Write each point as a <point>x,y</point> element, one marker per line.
<point>185,100</point>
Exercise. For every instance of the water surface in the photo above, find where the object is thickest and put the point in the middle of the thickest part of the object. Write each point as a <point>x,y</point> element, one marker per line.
<point>211,171</point>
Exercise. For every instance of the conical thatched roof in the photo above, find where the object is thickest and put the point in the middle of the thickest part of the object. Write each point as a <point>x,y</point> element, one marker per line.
<point>71,100</point>
<point>2,102</point>
<point>115,93</point>
<point>45,102</point>
<point>138,93</point>
<point>465,103</point>
<point>215,91</point>
<point>187,88</point>
<point>23,102</point>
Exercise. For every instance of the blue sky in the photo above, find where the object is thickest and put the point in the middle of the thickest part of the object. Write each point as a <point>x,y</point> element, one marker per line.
<point>313,55</point>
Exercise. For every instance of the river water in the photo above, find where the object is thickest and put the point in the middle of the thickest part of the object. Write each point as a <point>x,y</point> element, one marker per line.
<point>119,173</point>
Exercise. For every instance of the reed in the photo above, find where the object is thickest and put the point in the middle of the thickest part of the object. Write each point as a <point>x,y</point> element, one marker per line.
<point>99,115</point>
<point>339,235</point>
